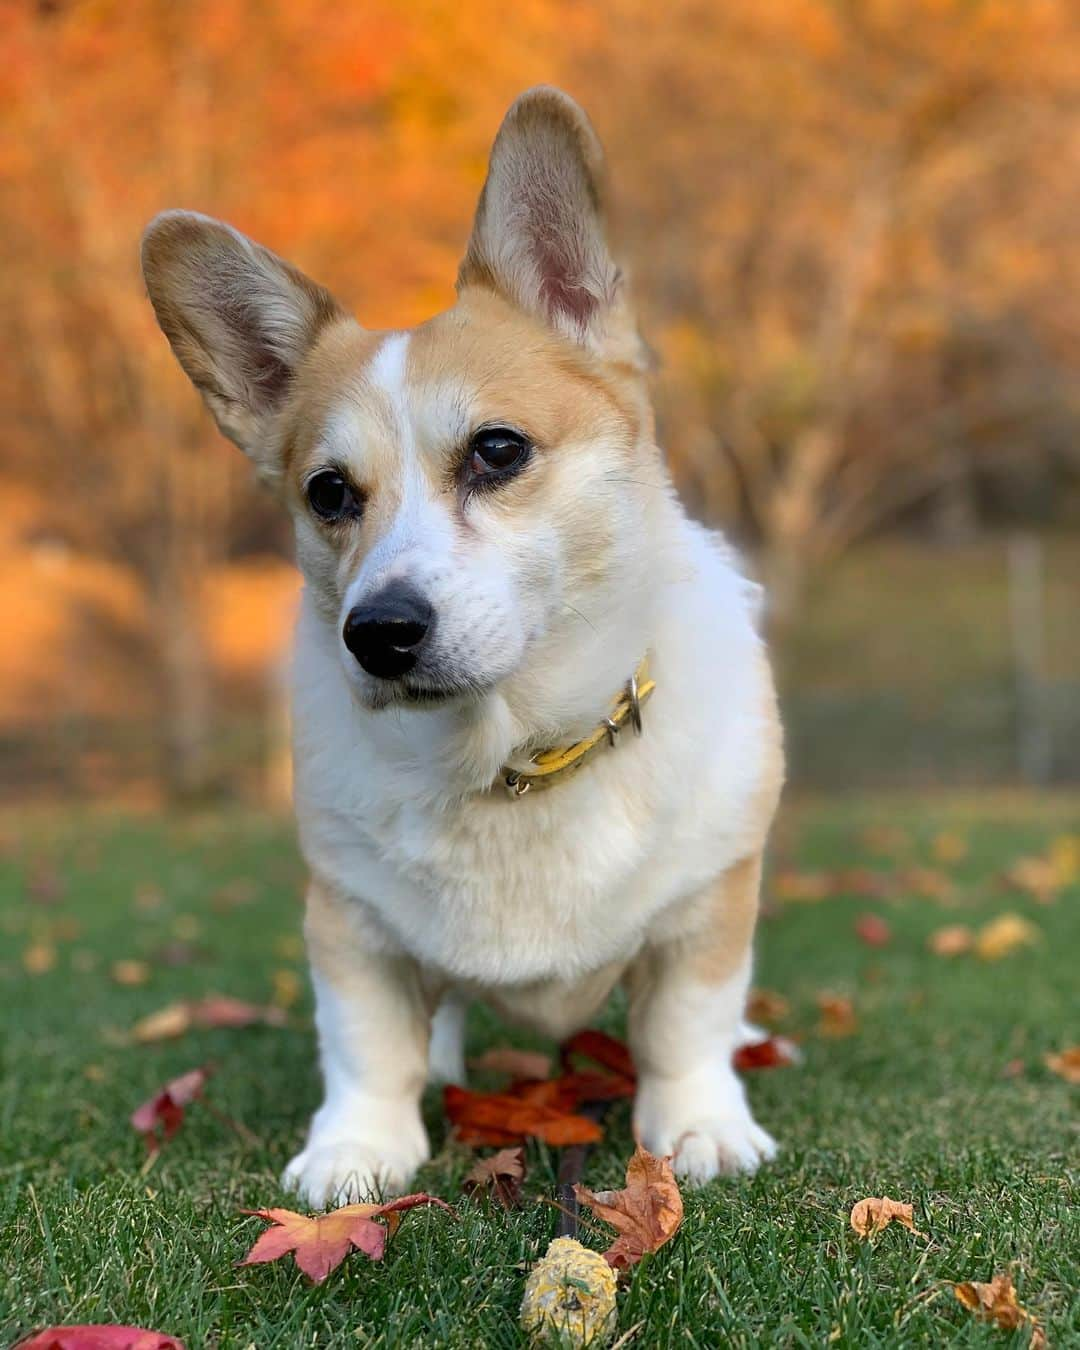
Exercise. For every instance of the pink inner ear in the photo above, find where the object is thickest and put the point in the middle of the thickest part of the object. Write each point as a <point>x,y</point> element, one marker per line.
<point>559,295</point>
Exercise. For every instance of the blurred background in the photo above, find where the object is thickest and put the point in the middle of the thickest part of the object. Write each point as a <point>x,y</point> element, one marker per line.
<point>851,229</point>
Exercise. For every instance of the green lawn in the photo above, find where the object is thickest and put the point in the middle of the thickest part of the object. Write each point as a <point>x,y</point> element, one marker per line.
<point>915,1106</point>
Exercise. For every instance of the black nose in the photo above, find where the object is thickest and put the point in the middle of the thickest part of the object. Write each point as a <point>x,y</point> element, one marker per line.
<point>386,634</point>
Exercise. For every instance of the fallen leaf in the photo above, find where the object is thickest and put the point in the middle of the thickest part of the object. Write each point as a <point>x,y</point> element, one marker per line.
<point>607,1051</point>
<point>1064,853</point>
<point>1065,1064</point>
<point>100,1338</point>
<point>862,882</point>
<point>870,1216</point>
<point>499,1176</point>
<point>514,1063</point>
<point>1038,877</point>
<point>647,1212</point>
<point>39,958</point>
<point>290,947</point>
<point>952,940</point>
<point>1004,935</point>
<point>214,1011</point>
<point>129,973</point>
<point>158,1119</point>
<point>569,1297</point>
<point>241,891</point>
<point>65,929</point>
<point>186,927</point>
<point>928,883</point>
<point>177,953</point>
<point>873,930</point>
<point>885,839</point>
<point>774,1052</point>
<point>320,1242</point>
<point>837,1016</point>
<point>805,887</point>
<point>149,897</point>
<point>288,987</point>
<point>1013,1068</point>
<point>44,885</point>
<point>764,1005</point>
<point>94,1073</point>
<point>619,1076</point>
<point>497,1119</point>
<point>950,847</point>
<point>996,1302</point>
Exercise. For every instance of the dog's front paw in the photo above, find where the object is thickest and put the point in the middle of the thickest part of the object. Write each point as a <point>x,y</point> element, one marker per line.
<point>703,1123</point>
<point>344,1171</point>
<point>715,1148</point>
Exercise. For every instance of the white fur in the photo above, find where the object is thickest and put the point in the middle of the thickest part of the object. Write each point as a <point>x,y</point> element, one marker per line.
<point>507,899</point>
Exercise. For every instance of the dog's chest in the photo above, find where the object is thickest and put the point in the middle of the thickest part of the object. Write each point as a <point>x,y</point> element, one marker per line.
<point>503,892</point>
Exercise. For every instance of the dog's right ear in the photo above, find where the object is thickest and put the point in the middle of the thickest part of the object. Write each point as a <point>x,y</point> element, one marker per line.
<point>240,319</point>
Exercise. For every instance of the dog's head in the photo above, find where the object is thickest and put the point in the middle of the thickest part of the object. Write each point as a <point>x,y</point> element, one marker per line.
<point>462,491</point>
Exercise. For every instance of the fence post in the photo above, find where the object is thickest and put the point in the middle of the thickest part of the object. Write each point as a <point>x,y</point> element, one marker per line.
<point>1027,621</point>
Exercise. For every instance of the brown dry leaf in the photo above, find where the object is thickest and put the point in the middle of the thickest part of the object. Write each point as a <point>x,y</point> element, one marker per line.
<point>216,1010</point>
<point>514,1063</point>
<point>928,883</point>
<point>39,958</point>
<point>952,940</point>
<point>996,1302</point>
<point>837,1016</point>
<point>499,1177</point>
<point>950,847</point>
<point>808,887</point>
<point>1004,935</point>
<point>1065,1064</point>
<point>647,1212</point>
<point>885,839</point>
<point>129,973</point>
<point>870,1216</point>
<point>320,1242</point>
<point>765,1005</point>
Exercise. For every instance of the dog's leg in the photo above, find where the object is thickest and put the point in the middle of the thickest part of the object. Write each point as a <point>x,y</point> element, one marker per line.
<point>367,1138</point>
<point>687,998</point>
<point>446,1054</point>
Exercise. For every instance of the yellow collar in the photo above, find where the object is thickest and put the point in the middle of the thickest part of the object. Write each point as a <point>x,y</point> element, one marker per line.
<point>546,767</point>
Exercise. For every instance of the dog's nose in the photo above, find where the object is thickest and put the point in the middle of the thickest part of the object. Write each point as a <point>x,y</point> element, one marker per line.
<point>386,634</point>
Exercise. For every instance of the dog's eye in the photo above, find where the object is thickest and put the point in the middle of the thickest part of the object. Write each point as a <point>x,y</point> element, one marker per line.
<point>495,451</point>
<point>331,497</point>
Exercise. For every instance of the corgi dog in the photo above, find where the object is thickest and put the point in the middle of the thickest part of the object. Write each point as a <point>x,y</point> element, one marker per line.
<point>536,743</point>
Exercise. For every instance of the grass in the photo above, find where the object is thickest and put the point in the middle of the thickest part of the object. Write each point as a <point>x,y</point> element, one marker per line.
<point>915,1105</point>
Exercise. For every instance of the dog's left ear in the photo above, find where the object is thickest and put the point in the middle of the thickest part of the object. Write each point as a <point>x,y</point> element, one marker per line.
<point>539,236</point>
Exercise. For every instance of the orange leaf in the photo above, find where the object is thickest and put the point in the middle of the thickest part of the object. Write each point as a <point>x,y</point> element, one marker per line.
<point>498,1118</point>
<point>952,940</point>
<point>870,1216</point>
<point>647,1212</point>
<point>837,1016</point>
<point>166,1109</point>
<point>996,1302</point>
<point>320,1242</point>
<point>765,1005</point>
<point>1066,1064</point>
